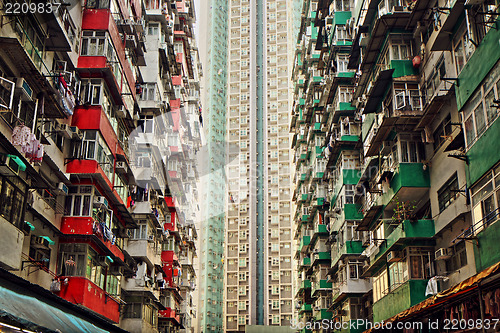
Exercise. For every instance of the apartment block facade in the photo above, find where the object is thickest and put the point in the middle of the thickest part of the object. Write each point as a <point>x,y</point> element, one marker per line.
<point>394,168</point>
<point>100,124</point>
<point>258,265</point>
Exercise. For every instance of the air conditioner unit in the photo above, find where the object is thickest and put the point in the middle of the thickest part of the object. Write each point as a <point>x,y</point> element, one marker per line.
<point>121,167</point>
<point>100,201</point>
<point>62,189</point>
<point>8,167</point>
<point>39,241</point>
<point>116,270</point>
<point>394,256</point>
<point>341,263</point>
<point>76,133</point>
<point>101,260</point>
<point>121,112</point>
<point>64,130</point>
<point>385,148</point>
<point>442,254</point>
<point>25,89</point>
<point>130,41</point>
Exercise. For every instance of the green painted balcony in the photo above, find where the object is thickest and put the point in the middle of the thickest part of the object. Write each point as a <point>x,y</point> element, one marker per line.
<point>304,242</point>
<point>409,182</point>
<point>401,298</point>
<point>320,229</point>
<point>346,75</point>
<point>413,233</point>
<point>323,314</point>
<point>303,197</point>
<point>318,149</point>
<point>306,262</point>
<point>346,106</point>
<point>305,308</point>
<point>402,68</point>
<point>321,256</point>
<point>487,253</point>
<point>352,212</point>
<point>322,284</point>
<point>341,18</point>
<point>305,284</point>
<point>319,201</point>
<point>349,247</point>
<point>304,176</point>
<point>317,127</point>
<point>317,79</point>
<point>305,217</point>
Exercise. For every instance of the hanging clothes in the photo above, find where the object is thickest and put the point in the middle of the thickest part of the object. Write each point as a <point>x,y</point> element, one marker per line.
<point>21,136</point>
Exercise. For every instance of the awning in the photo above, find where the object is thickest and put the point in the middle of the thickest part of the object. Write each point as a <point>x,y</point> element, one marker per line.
<point>369,217</point>
<point>30,306</point>
<point>378,91</point>
<point>445,296</point>
<point>445,34</point>
<point>457,143</point>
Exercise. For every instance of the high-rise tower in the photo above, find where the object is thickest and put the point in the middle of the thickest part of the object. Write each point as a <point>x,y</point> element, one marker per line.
<point>213,47</point>
<point>258,288</point>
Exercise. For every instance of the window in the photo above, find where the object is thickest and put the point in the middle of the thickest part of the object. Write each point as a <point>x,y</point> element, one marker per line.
<point>242,262</point>
<point>12,198</point>
<point>275,289</point>
<point>133,310</point>
<point>435,77</point>
<point>145,124</point>
<point>380,286</point>
<point>462,48</point>
<point>242,305</point>
<point>342,5</point>
<point>448,192</point>
<point>275,247</point>
<point>443,132</point>
<point>342,62</point>
<point>480,111</point>
<point>93,43</point>
<point>241,320</point>
<point>459,257</point>
<point>406,98</point>
<point>275,304</point>
<point>98,4</point>
<point>39,252</point>
<point>275,261</point>
<point>486,199</point>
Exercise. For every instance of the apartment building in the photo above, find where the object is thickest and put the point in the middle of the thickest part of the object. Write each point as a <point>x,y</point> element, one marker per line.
<point>97,166</point>
<point>213,46</point>
<point>406,157</point>
<point>258,265</point>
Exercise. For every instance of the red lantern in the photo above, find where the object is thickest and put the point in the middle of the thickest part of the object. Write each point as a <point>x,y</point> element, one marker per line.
<point>416,61</point>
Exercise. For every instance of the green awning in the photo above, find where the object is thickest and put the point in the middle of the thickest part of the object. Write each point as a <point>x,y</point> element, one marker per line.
<point>47,238</point>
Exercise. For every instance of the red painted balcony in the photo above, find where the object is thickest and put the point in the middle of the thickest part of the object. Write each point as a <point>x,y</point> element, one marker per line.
<point>170,314</point>
<point>102,19</point>
<point>91,168</point>
<point>94,118</point>
<point>84,225</point>
<point>81,291</point>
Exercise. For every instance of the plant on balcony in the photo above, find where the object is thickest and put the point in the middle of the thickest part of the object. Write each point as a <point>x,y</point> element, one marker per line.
<point>403,210</point>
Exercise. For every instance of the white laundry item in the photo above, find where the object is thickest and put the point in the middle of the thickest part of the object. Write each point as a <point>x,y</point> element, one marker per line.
<point>432,287</point>
<point>141,270</point>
